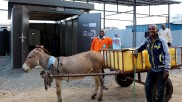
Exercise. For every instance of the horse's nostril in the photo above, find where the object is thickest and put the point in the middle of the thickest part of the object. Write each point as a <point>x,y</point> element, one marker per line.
<point>25,70</point>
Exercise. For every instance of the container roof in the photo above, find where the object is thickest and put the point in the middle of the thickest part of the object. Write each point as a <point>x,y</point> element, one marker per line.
<point>132,3</point>
<point>50,9</point>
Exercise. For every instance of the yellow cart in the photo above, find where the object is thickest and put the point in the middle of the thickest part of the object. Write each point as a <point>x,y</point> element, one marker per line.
<point>126,64</point>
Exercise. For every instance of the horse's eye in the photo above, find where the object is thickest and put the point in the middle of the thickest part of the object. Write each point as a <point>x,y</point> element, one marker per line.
<point>29,57</point>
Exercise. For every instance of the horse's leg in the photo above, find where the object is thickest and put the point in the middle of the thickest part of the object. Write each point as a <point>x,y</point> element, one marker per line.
<point>58,90</point>
<point>104,86</point>
<point>96,87</point>
<point>101,84</point>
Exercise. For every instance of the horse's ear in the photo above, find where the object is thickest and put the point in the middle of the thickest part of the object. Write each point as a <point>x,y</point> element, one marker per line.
<point>42,46</point>
<point>39,49</point>
<point>37,46</point>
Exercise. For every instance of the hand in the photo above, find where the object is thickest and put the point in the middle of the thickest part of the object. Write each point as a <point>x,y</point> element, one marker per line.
<point>169,44</point>
<point>166,74</point>
<point>135,53</point>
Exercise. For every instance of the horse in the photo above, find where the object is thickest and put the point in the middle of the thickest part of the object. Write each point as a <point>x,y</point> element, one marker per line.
<point>81,63</point>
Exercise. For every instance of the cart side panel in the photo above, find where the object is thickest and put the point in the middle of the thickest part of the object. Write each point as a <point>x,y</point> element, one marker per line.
<point>173,53</point>
<point>140,62</point>
<point>122,60</point>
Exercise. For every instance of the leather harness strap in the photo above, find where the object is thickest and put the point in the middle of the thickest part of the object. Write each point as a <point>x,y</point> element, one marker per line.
<point>59,64</point>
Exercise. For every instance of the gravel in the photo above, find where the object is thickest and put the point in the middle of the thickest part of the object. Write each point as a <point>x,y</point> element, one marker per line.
<point>16,81</point>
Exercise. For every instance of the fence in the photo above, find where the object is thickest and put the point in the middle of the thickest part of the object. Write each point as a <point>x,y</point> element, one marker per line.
<point>127,37</point>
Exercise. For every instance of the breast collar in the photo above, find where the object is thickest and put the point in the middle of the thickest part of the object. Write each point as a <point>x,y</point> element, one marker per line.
<point>51,62</point>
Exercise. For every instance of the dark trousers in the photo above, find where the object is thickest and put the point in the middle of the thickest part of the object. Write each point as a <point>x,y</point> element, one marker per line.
<point>151,80</point>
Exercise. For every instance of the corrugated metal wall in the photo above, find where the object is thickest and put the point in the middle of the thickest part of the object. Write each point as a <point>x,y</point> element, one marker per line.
<point>143,28</point>
<point>68,37</point>
<point>127,37</point>
<point>177,36</point>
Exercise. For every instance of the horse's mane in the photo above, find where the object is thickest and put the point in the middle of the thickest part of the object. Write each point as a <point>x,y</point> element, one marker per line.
<point>46,51</point>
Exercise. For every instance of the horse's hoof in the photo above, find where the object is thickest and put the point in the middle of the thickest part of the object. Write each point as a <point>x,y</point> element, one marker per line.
<point>105,88</point>
<point>93,97</point>
<point>100,99</point>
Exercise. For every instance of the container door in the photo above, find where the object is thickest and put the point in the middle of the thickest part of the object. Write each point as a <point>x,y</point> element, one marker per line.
<point>19,32</point>
<point>24,32</point>
<point>89,25</point>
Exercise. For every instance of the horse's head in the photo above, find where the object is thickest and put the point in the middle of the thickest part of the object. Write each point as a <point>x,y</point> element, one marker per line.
<point>32,59</point>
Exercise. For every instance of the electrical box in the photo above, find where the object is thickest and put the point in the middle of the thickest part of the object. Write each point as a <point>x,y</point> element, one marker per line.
<point>34,37</point>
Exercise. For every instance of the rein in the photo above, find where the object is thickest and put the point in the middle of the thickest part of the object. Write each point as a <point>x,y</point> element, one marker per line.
<point>47,74</point>
<point>47,78</point>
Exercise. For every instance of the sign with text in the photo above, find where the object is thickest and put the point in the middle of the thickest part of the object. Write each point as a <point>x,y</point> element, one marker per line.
<point>89,27</point>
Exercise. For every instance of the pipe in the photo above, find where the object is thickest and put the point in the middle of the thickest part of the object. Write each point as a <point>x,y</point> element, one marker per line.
<point>81,75</point>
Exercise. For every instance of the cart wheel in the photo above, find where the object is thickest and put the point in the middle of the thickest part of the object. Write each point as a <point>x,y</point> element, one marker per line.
<point>168,92</point>
<point>122,81</point>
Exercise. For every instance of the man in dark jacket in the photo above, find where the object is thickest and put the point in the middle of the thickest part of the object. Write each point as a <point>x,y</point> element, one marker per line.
<point>159,58</point>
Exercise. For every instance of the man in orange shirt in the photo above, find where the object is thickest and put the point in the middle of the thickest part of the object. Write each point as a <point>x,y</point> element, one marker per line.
<point>101,41</point>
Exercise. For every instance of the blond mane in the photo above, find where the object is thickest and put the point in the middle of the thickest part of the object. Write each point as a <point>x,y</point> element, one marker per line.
<point>41,47</point>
